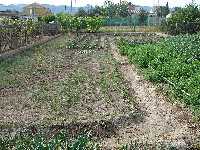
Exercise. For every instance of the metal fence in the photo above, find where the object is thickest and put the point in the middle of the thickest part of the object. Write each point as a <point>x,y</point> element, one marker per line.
<point>133,20</point>
<point>12,37</point>
<point>182,28</point>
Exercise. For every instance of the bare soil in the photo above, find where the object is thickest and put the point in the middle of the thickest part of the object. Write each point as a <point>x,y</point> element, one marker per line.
<point>89,90</point>
<point>164,122</point>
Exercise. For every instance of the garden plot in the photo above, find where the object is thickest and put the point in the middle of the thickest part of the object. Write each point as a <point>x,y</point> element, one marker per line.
<point>83,86</point>
<point>61,82</point>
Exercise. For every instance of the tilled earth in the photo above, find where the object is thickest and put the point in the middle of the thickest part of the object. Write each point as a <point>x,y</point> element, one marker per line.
<point>83,85</point>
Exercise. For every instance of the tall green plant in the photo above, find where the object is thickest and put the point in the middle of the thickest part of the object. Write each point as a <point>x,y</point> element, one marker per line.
<point>75,23</point>
<point>185,20</point>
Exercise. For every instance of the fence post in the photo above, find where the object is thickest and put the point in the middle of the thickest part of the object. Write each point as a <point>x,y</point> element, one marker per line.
<point>176,27</point>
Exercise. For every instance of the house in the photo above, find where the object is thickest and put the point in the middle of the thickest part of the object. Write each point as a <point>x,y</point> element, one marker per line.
<point>36,10</point>
<point>153,16</point>
<point>133,9</point>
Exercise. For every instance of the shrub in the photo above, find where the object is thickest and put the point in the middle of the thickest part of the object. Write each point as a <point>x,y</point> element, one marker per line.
<point>47,19</point>
<point>185,20</point>
<point>74,23</point>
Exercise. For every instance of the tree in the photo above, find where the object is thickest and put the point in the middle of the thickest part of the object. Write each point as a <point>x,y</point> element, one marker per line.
<point>97,11</point>
<point>142,16</point>
<point>122,9</point>
<point>167,10</point>
<point>177,9</point>
<point>110,9</point>
<point>185,20</point>
<point>163,11</point>
<point>81,12</point>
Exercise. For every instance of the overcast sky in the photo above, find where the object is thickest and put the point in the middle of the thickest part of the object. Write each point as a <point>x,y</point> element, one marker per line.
<point>100,2</point>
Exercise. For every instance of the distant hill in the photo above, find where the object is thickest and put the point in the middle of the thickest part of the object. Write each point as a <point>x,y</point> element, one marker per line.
<point>18,7</point>
<point>53,8</point>
<point>147,8</point>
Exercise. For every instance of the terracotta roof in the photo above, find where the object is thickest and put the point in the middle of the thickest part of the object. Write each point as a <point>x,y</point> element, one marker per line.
<point>133,9</point>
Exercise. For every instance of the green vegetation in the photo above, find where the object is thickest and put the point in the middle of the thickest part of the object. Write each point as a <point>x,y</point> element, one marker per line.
<point>17,33</point>
<point>174,61</point>
<point>47,19</point>
<point>184,20</point>
<point>62,141</point>
<point>61,77</point>
<point>74,23</point>
<point>39,141</point>
<point>163,11</point>
<point>108,9</point>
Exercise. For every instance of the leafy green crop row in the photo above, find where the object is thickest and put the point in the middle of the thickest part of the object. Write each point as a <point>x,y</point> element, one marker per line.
<point>57,142</point>
<point>174,61</point>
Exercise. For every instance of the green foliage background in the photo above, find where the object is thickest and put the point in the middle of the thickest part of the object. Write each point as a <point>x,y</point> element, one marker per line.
<point>184,20</point>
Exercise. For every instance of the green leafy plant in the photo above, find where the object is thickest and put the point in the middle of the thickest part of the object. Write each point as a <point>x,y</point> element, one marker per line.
<point>174,61</point>
<point>47,19</point>
<point>93,24</point>
<point>60,141</point>
<point>76,24</point>
<point>185,20</point>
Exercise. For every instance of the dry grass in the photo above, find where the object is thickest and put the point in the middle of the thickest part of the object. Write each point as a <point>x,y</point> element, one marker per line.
<point>130,29</point>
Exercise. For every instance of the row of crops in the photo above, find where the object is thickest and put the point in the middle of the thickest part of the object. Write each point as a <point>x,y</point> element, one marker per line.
<point>62,141</point>
<point>174,61</point>
<point>40,141</point>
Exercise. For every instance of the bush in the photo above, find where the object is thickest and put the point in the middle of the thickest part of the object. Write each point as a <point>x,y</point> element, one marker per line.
<point>47,19</point>
<point>93,24</point>
<point>185,20</point>
<point>74,23</point>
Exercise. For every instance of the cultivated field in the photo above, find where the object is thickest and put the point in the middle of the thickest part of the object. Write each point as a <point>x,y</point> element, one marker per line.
<point>81,84</point>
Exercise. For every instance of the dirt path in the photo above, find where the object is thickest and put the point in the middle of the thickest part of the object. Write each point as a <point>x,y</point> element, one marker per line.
<point>163,122</point>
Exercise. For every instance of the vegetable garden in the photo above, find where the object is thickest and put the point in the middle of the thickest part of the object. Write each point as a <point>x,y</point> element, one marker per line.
<point>72,93</point>
<point>17,33</point>
<point>79,91</point>
<point>173,61</point>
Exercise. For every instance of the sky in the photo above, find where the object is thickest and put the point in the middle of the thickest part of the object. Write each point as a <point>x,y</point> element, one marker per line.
<point>172,3</point>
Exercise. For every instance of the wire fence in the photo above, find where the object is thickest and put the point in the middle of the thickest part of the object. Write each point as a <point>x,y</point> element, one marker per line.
<point>15,36</point>
<point>133,20</point>
<point>182,28</point>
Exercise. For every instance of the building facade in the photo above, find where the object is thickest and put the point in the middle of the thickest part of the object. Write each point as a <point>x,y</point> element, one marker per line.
<point>36,10</point>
